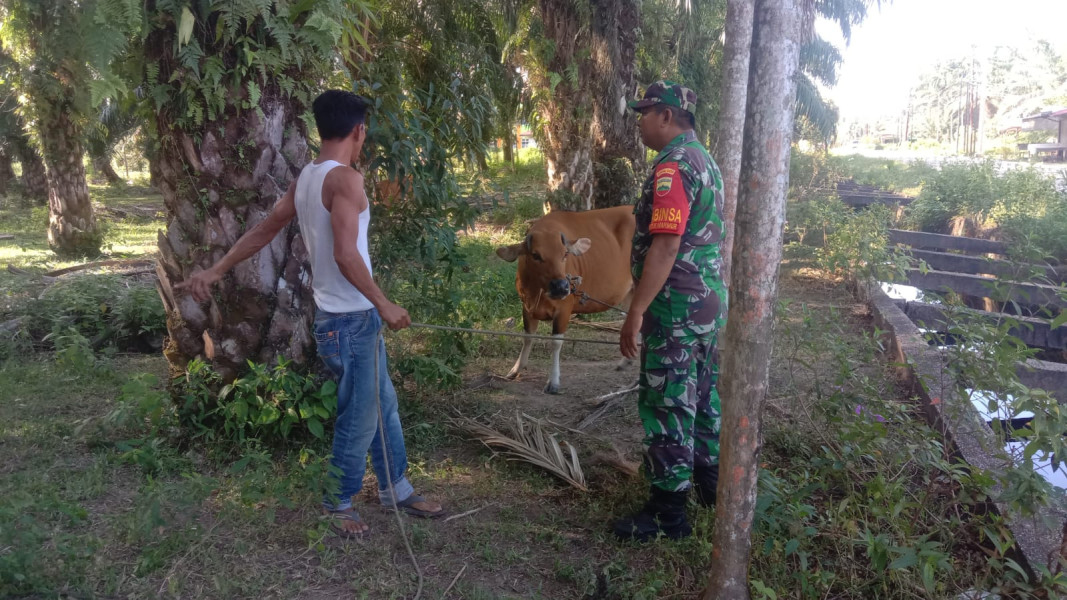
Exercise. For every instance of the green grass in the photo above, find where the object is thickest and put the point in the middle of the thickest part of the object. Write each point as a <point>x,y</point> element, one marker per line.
<point>93,506</point>
<point>132,235</point>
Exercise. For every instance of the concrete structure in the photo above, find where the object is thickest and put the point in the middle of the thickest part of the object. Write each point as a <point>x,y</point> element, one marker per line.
<point>1033,332</point>
<point>937,241</point>
<point>1028,294</point>
<point>979,265</point>
<point>967,435</point>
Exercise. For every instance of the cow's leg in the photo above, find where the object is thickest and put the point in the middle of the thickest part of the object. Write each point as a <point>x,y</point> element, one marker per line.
<point>529,325</point>
<point>559,327</point>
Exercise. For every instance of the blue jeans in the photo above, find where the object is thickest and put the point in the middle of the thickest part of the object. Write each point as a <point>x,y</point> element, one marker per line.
<point>346,343</point>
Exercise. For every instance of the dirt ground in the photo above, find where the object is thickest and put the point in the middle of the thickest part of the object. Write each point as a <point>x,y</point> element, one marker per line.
<point>533,537</point>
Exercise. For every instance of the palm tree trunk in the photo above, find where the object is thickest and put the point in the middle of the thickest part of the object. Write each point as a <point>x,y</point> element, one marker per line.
<point>567,145</point>
<point>613,49</point>
<point>753,295</point>
<point>7,173</point>
<point>617,150</point>
<point>508,138</point>
<point>72,229</point>
<point>102,165</point>
<point>263,308</point>
<point>34,176</point>
<point>214,191</point>
<point>730,135</point>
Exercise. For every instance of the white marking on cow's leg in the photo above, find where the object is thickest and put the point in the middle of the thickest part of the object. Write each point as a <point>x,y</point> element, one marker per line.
<point>529,325</point>
<point>553,379</point>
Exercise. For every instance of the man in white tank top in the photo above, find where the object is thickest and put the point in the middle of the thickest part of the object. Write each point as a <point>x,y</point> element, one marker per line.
<point>334,212</point>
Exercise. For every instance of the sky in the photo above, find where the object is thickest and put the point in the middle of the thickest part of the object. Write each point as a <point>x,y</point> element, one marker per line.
<point>898,42</point>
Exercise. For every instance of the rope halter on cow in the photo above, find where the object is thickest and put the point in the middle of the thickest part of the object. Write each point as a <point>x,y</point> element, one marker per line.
<point>575,281</point>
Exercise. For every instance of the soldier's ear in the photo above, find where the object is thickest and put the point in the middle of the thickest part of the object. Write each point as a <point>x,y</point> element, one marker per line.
<point>510,253</point>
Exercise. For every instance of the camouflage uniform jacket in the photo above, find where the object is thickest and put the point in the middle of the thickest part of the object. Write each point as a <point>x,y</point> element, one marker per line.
<point>684,195</point>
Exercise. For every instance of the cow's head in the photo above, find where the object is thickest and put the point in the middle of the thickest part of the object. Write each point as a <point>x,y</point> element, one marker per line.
<point>544,263</point>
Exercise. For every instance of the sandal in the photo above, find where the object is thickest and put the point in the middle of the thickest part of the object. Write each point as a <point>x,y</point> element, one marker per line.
<point>408,506</point>
<point>348,514</point>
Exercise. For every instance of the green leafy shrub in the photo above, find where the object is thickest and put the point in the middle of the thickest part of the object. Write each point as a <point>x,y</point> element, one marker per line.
<point>271,405</point>
<point>106,309</point>
<point>860,498</point>
<point>858,244</point>
<point>965,190</point>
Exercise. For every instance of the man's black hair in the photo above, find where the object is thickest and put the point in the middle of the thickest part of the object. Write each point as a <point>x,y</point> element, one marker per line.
<point>683,117</point>
<point>338,112</point>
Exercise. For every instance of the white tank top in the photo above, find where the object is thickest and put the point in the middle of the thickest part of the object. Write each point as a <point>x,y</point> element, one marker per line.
<point>333,292</point>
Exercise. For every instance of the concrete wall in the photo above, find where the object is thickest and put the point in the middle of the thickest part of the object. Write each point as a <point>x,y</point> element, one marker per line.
<point>1028,294</point>
<point>937,241</point>
<point>923,368</point>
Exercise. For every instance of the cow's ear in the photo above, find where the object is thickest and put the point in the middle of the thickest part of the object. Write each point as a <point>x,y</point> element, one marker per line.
<point>579,246</point>
<point>509,253</point>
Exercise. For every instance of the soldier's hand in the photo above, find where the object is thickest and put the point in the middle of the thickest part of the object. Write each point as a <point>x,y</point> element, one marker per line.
<point>394,316</point>
<point>628,336</point>
<point>200,284</point>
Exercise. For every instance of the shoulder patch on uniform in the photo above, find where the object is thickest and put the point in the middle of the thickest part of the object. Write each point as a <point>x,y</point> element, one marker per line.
<point>666,174</point>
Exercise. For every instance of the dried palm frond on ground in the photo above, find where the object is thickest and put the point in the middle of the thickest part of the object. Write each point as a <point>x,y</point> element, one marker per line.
<point>529,441</point>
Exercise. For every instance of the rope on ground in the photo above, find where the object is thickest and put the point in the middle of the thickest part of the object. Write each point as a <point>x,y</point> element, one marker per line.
<point>379,346</point>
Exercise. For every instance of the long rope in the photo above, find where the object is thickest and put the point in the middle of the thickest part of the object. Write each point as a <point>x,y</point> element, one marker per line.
<point>381,416</point>
<point>379,347</point>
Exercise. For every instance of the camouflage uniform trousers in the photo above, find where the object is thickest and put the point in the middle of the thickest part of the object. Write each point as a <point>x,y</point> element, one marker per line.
<point>679,405</point>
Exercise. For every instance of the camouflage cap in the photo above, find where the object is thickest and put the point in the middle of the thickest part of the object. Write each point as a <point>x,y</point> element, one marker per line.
<point>667,93</point>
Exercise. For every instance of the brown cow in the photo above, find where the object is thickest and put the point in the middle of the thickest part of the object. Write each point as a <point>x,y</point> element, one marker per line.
<point>559,248</point>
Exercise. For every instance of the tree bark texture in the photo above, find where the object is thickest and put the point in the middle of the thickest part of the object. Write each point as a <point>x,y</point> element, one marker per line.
<point>7,173</point>
<point>748,340</point>
<point>566,110</point>
<point>618,154</point>
<point>729,136</point>
<point>102,166</point>
<point>72,229</point>
<point>34,176</point>
<point>214,192</point>
<point>613,48</point>
<point>508,139</point>
<point>218,182</point>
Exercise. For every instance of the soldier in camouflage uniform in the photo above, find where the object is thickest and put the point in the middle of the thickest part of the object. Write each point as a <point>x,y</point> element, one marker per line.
<point>679,306</point>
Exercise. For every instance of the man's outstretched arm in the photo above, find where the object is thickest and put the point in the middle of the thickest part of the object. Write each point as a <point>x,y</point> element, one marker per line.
<point>200,283</point>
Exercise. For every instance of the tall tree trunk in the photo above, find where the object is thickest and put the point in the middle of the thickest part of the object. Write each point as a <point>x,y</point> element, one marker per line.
<point>753,295</point>
<point>730,134</point>
<point>72,229</point>
<point>509,146</point>
<point>7,173</point>
<point>263,308</point>
<point>567,143</point>
<point>34,176</point>
<point>214,191</point>
<point>102,165</point>
<point>617,149</point>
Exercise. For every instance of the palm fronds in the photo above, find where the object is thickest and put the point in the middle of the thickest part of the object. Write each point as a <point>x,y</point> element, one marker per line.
<point>529,441</point>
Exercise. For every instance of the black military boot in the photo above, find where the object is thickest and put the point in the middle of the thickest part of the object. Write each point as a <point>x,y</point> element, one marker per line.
<point>705,483</point>
<point>663,514</point>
